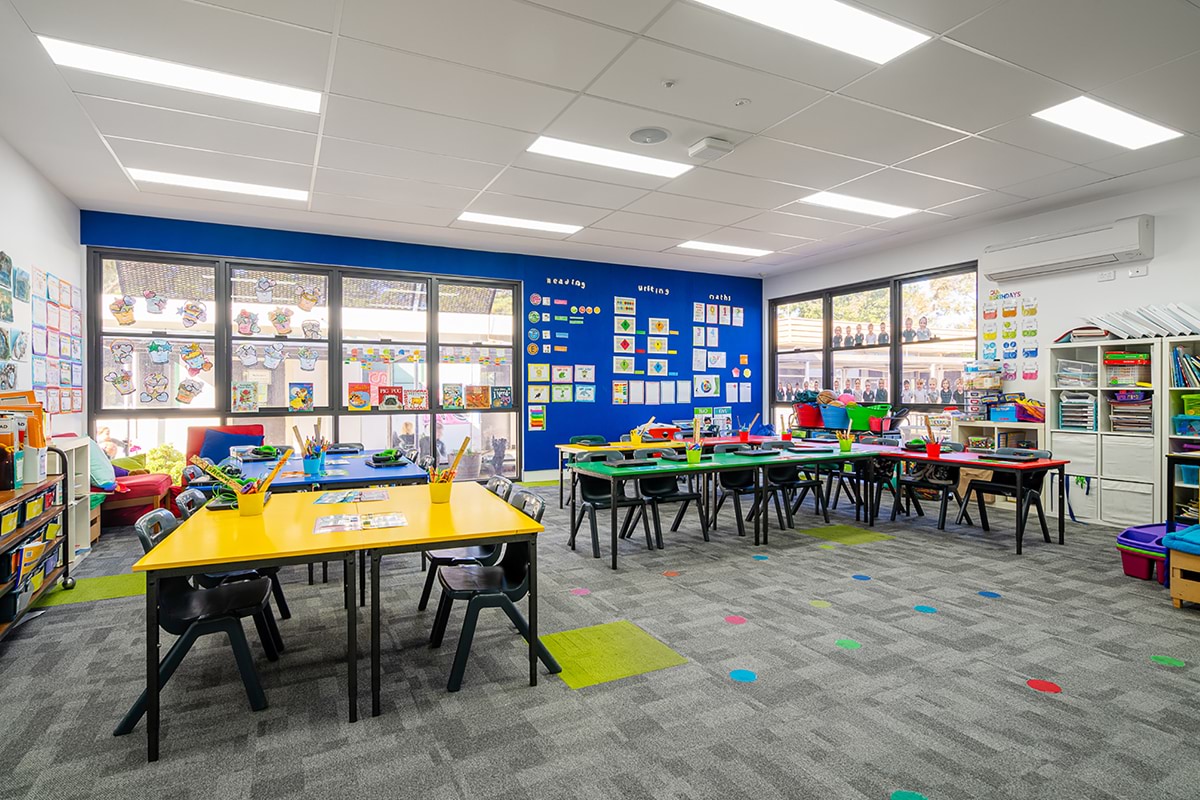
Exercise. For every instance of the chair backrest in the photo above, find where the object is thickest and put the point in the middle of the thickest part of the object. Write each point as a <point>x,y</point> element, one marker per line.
<point>626,437</point>
<point>529,504</point>
<point>515,561</point>
<point>1020,451</point>
<point>154,526</point>
<point>195,436</point>
<point>592,488</point>
<point>1031,479</point>
<point>604,455</point>
<point>412,455</point>
<point>500,486</point>
<point>879,440</point>
<point>426,462</point>
<point>650,452</point>
<point>954,447</point>
<point>190,473</point>
<point>588,438</point>
<point>189,502</point>
<point>730,448</point>
<point>775,444</point>
<point>824,437</point>
<point>346,447</point>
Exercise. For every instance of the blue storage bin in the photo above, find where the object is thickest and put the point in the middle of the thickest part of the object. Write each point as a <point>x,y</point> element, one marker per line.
<point>1186,425</point>
<point>838,417</point>
<point>1189,474</point>
<point>1003,412</point>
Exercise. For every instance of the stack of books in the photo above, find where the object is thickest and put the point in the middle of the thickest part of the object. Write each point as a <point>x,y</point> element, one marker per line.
<point>1132,414</point>
<point>1077,411</point>
<point>1185,369</point>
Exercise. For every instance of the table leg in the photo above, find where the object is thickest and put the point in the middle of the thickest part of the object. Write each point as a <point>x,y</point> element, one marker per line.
<point>869,491</point>
<point>1020,507</point>
<point>376,645</point>
<point>152,686</point>
<point>573,503</point>
<point>351,638</point>
<point>1170,495</point>
<point>362,578</point>
<point>757,517</point>
<point>560,478</point>
<point>613,503</point>
<point>533,618</point>
<point>1062,505</point>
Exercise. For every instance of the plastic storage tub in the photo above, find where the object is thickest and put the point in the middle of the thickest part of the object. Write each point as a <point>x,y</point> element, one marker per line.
<point>808,415</point>
<point>1186,425</point>
<point>1191,404</point>
<point>1189,474</point>
<point>1077,374</point>
<point>860,416</point>
<point>836,417</point>
<point>1142,552</point>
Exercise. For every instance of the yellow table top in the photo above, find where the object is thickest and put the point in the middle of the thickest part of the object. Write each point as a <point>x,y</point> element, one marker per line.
<point>285,529</point>
<point>603,448</point>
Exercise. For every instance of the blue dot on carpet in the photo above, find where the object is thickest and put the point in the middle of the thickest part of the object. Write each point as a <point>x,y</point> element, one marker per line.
<point>861,577</point>
<point>907,795</point>
<point>989,594</point>
<point>743,676</point>
<point>925,609</point>
<point>759,558</point>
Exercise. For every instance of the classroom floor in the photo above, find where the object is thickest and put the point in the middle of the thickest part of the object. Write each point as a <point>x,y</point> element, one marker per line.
<point>930,703</point>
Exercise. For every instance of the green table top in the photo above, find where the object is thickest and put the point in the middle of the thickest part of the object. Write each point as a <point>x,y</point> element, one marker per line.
<point>719,461</point>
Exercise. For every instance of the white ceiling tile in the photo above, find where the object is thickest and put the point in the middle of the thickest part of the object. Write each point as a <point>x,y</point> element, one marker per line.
<point>834,214</point>
<point>759,240</point>
<point>934,15</point>
<point>978,204</point>
<point>369,72</point>
<point>174,30</point>
<point>1086,43</point>
<point>130,121</point>
<point>906,189</point>
<point>1157,94</point>
<point>89,83</point>
<point>793,225</point>
<point>654,226</point>
<point>1156,155</point>
<point>705,88</point>
<point>536,162</point>
<point>1054,140</point>
<point>922,219</point>
<point>690,208</point>
<point>740,41</point>
<point>531,208</point>
<point>775,259</point>
<point>947,84</point>
<point>202,163</point>
<point>317,14</point>
<point>767,158</point>
<point>240,203</point>
<point>632,15</point>
<point>395,162</point>
<point>392,190</point>
<point>850,128</point>
<point>373,209</point>
<point>635,241</point>
<point>505,36</point>
<point>711,184</point>
<point>984,163</point>
<point>1070,178</point>
<point>545,186</point>
<point>362,120</point>
<point>517,234</point>
<point>709,254</point>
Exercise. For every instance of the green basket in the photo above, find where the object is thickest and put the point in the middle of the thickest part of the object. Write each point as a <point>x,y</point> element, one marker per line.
<point>1191,404</point>
<point>860,416</point>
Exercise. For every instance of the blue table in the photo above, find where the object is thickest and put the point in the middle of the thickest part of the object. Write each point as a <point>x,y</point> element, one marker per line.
<point>358,474</point>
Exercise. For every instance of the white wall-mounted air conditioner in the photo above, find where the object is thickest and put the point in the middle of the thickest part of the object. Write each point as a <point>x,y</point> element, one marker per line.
<point>1120,242</point>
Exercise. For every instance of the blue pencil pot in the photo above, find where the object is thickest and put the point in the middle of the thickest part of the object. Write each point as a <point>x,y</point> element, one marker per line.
<point>314,466</point>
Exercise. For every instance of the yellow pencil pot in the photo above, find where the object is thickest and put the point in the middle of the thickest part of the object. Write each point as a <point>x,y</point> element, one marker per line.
<point>845,444</point>
<point>635,437</point>
<point>440,492</point>
<point>693,456</point>
<point>251,505</point>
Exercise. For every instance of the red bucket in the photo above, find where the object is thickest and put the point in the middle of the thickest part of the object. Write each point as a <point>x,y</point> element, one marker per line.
<point>808,415</point>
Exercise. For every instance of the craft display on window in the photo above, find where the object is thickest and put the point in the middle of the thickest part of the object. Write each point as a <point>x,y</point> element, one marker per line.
<point>300,397</point>
<point>154,388</point>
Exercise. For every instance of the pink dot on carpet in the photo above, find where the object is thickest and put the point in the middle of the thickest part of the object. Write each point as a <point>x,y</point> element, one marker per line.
<point>581,592</point>
<point>734,619</point>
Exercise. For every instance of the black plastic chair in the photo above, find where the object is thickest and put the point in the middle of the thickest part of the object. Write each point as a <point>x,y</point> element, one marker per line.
<point>486,555</point>
<point>1004,484</point>
<point>588,439</point>
<point>733,483</point>
<point>190,501</point>
<point>596,494</point>
<point>791,483</point>
<point>944,483</point>
<point>189,613</point>
<point>665,489</point>
<point>500,586</point>
<point>346,447</point>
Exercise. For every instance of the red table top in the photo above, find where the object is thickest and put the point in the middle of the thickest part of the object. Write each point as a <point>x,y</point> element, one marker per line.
<point>980,460</point>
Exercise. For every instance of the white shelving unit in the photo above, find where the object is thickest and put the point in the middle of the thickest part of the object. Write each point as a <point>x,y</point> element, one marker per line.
<point>1187,488</point>
<point>1115,477</point>
<point>79,488</point>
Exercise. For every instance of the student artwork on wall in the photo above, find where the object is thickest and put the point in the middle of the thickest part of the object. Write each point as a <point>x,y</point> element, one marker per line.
<point>561,393</point>
<point>585,393</point>
<point>539,394</point>
<point>562,374</point>
<point>585,373</point>
<point>539,373</point>
<point>706,385</point>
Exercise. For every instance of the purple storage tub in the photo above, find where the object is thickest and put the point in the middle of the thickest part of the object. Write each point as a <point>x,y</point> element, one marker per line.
<point>1145,537</point>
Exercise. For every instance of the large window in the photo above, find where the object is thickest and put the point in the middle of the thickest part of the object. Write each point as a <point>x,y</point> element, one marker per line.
<point>902,341</point>
<point>384,358</point>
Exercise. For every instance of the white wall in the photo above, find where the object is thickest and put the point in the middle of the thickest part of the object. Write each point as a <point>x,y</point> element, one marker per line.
<point>1174,272</point>
<point>39,227</point>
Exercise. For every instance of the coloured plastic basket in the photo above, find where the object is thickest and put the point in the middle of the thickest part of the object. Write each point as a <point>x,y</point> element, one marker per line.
<point>860,416</point>
<point>836,417</point>
<point>808,415</point>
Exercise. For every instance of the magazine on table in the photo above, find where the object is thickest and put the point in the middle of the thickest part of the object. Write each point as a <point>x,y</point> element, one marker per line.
<point>352,496</point>
<point>359,522</point>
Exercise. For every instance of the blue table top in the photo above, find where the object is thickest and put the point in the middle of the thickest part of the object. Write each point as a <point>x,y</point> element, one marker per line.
<point>355,468</point>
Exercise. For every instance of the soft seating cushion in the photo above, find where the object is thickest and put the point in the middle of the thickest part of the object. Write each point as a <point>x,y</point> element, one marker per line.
<point>100,467</point>
<point>217,443</point>
<point>135,487</point>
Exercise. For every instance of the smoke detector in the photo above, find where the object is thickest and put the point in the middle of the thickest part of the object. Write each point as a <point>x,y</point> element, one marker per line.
<point>709,148</point>
<point>649,136</point>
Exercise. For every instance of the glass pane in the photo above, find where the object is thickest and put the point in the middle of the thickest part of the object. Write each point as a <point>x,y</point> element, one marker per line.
<point>799,325</point>
<point>476,377</point>
<point>378,310</point>
<point>161,440</point>
<point>780,417</point>
<point>157,297</point>
<point>278,430</point>
<point>479,315</point>
<point>933,372</point>
<point>863,374</point>
<point>493,446</point>
<point>147,372</point>
<point>394,377</point>
<point>384,431</point>
<point>939,308</point>
<point>271,303</point>
<point>286,374</point>
<point>861,319</point>
<point>796,373</point>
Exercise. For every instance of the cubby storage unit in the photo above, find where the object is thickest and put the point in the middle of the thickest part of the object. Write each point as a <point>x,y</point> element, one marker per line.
<point>1180,433</point>
<point>1110,421</point>
<point>78,491</point>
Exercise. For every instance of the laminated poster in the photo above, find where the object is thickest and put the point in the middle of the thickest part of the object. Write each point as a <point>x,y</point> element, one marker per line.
<point>683,391</point>
<point>620,393</point>
<point>625,306</point>
<point>561,393</point>
<point>653,393</point>
<point>637,393</point>
<point>562,374</point>
<point>624,325</point>
<point>585,373</point>
<point>658,326</point>
<point>656,367</point>
<point>725,317</point>
<point>739,316</point>
<point>706,385</point>
<point>539,373</point>
<point>657,345</point>
<point>667,392</point>
<point>744,392</point>
<point>624,344</point>
<point>697,312</point>
<point>731,393</point>
<point>623,365</point>
<point>697,336</point>
<point>539,394</point>
<point>537,417</point>
<point>585,393</point>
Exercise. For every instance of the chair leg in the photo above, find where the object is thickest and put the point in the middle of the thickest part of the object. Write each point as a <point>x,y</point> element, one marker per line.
<point>430,577</point>
<point>895,509</point>
<point>737,513</point>
<point>522,625</point>
<point>264,635</point>
<point>574,530</point>
<point>245,662</point>
<point>963,502</point>
<point>595,532</point>
<point>465,637</point>
<point>646,526</point>
<point>703,519</point>
<point>717,509</point>
<point>658,538</point>
<point>441,619</point>
<point>166,669</point>
<point>627,525</point>
<point>679,515</point>
<point>277,593</point>
<point>779,511</point>
<point>983,520</point>
<point>962,506</point>
<point>423,562</point>
<point>1037,504</point>
<point>824,498</point>
<point>916,502</point>
<point>942,508</point>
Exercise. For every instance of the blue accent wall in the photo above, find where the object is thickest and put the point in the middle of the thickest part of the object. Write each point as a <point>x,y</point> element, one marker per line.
<point>658,292</point>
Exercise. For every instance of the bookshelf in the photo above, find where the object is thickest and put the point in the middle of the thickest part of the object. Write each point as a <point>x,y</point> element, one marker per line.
<point>1187,486</point>
<point>1107,415</point>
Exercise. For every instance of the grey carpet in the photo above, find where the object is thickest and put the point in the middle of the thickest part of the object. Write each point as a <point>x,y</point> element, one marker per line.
<point>931,703</point>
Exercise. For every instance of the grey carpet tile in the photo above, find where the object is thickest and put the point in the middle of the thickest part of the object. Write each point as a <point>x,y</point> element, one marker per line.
<point>935,703</point>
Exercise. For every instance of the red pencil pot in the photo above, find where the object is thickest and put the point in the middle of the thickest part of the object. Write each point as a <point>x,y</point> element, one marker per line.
<point>786,436</point>
<point>933,449</point>
<point>743,436</point>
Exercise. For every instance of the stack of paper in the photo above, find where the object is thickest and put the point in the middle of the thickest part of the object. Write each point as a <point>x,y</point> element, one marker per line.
<point>1131,417</point>
<point>1077,411</point>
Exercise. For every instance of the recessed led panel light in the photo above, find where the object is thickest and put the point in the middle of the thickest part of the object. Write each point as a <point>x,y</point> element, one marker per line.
<point>215,184</point>
<point>829,23</point>
<point>617,159</point>
<point>847,203</point>
<point>179,76</point>
<point>726,248</point>
<point>1088,116</point>
<point>517,222</point>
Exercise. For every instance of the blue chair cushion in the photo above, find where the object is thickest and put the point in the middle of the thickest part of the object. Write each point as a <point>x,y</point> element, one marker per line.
<point>217,443</point>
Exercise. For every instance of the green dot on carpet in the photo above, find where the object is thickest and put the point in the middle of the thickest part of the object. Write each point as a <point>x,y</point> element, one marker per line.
<point>827,546</point>
<point>1168,661</point>
<point>820,603</point>
<point>848,644</point>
